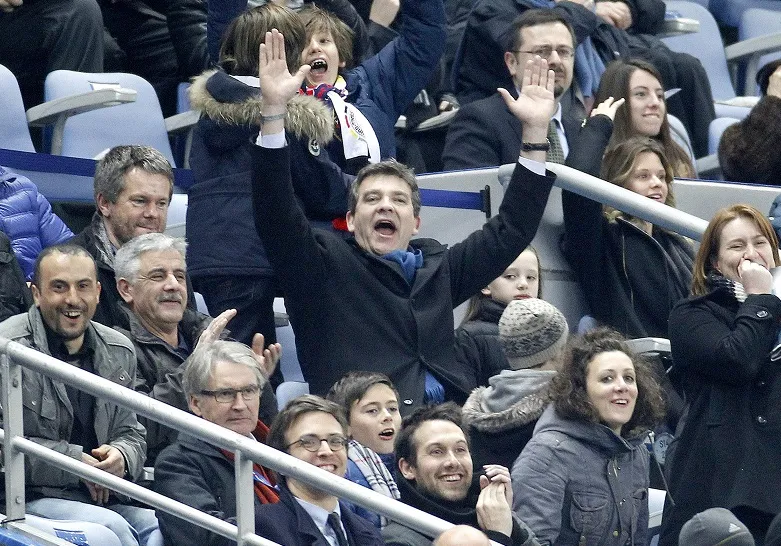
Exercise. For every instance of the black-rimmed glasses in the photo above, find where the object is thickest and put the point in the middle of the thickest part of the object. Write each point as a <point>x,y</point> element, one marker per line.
<point>311,442</point>
<point>226,396</point>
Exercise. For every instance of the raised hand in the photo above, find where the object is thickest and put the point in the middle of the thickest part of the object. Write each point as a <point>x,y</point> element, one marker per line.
<point>268,358</point>
<point>608,107</point>
<point>755,277</point>
<point>535,104</point>
<point>494,512</point>
<point>215,328</point>
<point>277,84</point>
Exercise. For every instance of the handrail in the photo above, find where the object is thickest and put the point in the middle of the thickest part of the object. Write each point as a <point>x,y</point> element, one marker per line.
<point>622,199</point>
<point>13,355</point>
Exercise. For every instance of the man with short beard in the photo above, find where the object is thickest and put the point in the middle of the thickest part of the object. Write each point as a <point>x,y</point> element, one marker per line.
<point>435,475</point>
<point>485,133</point>
<point>133,188</point>
<point>152,280</point>
<point>75,423</point>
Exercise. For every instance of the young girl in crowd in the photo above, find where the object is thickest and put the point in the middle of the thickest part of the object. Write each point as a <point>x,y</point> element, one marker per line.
<point>725,345</point>
<point>500,418</point>
<point>644,112</point>
<point>583,477</point>
<point>632,273</point>
<point>371,404</point>
<point>477,338</point>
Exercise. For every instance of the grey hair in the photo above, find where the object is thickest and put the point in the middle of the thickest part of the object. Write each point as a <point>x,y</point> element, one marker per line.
<point>128,258</point>
<point>111,170</point>
<point>198,368</point>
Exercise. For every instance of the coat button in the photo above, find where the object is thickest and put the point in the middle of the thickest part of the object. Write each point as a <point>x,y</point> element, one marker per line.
<point>761,419</point>
<point>33,402</point>
<point>761,383</point>
<point>121,377</point>
<point>762,314</point>
<point>407,402</point>
<point>615,533</point>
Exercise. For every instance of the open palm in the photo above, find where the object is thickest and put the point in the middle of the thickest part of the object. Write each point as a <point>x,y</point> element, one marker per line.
<point>277,84</point>
<point>535,104</point>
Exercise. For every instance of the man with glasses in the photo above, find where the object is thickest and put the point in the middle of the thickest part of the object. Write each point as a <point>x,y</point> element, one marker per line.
<point>152,280</point>
<point>314,430</point>
<point>223,384</point>
<point>485,133</point>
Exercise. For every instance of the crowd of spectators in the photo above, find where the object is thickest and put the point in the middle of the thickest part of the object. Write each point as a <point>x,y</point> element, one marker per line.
<point>297,192</point>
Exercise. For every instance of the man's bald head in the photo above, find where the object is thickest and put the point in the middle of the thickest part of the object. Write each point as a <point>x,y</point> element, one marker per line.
<point>462,535</point>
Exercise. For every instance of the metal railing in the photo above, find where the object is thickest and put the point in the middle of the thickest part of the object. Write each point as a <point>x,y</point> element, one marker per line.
<point>620,198</point>
<point>14,356</point>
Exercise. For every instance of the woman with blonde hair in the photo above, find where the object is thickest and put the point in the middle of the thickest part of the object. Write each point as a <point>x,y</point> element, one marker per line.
<point>725,345</point>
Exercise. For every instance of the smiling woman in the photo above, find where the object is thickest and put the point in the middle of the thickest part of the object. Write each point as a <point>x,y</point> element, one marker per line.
<point>632,273</point>
<point>725,342</point>
<point>605,400</point>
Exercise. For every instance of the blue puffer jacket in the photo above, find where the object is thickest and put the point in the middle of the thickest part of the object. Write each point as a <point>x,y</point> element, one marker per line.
<point>27,219</point>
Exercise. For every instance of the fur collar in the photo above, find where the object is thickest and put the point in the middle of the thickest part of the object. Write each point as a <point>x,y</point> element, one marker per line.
<point>525,410</point>
<point>307,117</point>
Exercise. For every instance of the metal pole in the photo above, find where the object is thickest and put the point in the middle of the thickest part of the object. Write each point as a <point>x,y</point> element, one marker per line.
<point>13,428</point>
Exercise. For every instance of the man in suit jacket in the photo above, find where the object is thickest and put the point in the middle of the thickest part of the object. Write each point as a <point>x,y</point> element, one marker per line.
<point>314,430</point>
<point>485,133</point>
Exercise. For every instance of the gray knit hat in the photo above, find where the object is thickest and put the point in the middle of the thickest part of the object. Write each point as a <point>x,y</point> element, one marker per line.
<point>715,526</point>
<point>531,332</point>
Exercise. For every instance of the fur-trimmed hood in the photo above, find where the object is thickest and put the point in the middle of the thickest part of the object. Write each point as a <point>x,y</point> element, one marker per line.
<point>227,100</point>
<point>481,412</point>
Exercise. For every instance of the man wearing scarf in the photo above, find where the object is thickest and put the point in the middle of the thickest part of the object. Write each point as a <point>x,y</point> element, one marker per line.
<point>435,475</point>
<point>223,382</point>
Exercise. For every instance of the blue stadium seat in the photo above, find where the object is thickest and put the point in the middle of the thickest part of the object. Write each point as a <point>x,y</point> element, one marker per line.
<point>759,24</point>
<point>14,134</point>
<point>729,12</point>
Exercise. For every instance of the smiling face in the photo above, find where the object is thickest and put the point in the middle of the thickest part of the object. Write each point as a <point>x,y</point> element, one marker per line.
<point>741,239</point>
<point>239,415</point>
<point>646,103</point>
<point>538,39</point>
<point>322,55</point>
<point>520,280</point>
<point>322,425</point>
<point>648,177</point>
<point>443,466</point>
<point>159,294</point>
<point>66,294</point>
<point>612,388</point>
<point>141,207</point>
<point>384,218</point>
<point>375,419</point>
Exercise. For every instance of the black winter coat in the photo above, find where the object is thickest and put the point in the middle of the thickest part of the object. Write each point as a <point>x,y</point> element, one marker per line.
<point>631,280</point>
<point>728,451</point>
<point>352,310</point>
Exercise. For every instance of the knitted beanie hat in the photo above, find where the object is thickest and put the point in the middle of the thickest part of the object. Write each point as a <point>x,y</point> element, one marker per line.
<point>531,332</point>
<point>715,526</point>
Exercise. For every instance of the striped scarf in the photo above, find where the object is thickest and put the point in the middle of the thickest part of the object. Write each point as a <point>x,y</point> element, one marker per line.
<point>374,470</point>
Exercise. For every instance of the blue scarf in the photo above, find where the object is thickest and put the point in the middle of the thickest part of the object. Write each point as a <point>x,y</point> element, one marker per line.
<point>588,64</point>
<point>410,261</point>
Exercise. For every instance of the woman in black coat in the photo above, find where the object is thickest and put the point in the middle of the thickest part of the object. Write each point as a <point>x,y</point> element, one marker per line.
<point>725,345</point>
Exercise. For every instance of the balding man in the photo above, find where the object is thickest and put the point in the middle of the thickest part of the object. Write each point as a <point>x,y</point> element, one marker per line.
<point>462,535</point>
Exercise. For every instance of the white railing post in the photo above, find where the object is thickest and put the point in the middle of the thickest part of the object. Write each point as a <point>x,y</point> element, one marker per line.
<point>245,497</point>
<point>13,425</point>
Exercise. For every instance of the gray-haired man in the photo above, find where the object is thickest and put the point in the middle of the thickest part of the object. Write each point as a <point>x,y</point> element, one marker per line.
<point>151,277</point>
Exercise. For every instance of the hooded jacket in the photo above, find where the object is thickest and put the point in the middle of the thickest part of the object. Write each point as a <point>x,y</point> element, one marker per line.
<point>577,482</point>
<point>501,418</point>
<point>27,218</point>
<point>219,206</point>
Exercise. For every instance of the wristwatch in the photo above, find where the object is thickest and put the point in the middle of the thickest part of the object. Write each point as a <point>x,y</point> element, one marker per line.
<point>536,146</point>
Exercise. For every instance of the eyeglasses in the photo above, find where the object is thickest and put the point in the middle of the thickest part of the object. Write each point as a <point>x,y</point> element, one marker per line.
<point>312,442</point>
<point>565,53</point>
<point>226,396</point>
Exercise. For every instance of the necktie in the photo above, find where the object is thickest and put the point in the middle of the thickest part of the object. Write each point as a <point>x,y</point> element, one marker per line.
<point>336,525</point>
<point>555,154</point>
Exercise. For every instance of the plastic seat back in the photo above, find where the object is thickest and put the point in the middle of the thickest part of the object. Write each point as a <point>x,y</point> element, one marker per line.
<point>89,134</point>
<point>706,44</point>
<point>14,133</point>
